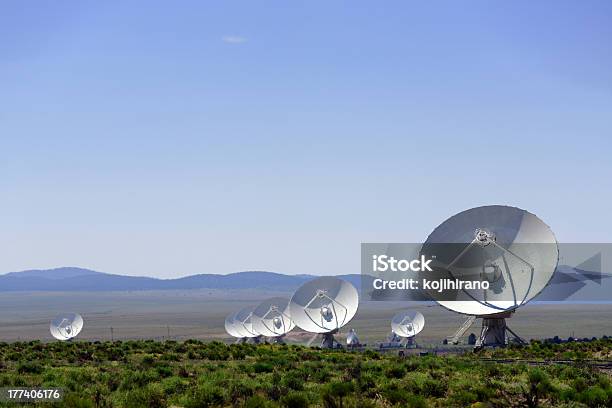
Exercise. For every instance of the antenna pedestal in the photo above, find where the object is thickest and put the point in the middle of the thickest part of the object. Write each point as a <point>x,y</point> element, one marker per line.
<point>495,332</point>
<point>411,343</point>
<point>278,339</point>
<point>256,339</point>
<point>327,340</point>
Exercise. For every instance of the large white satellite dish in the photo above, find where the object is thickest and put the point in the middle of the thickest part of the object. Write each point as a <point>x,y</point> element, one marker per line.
<point>512,249</point>
<point>272,318</point>
<point>324,305</point>
<point>408,323</point>
<point>66,326</point>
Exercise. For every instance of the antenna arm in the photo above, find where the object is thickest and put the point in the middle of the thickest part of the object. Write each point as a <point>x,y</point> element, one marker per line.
<point>513,254</point>
<point>333,302</point>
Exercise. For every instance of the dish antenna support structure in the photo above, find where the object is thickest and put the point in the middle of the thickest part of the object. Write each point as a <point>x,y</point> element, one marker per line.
<point>323,306</point>
<point>510,248</point>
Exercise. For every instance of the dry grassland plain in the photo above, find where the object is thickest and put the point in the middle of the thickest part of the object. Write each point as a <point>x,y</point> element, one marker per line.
<point>200,314</point>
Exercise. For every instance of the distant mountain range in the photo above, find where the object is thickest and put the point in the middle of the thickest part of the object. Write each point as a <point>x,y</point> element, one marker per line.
<point>79,279</point>
<point>567,283</point>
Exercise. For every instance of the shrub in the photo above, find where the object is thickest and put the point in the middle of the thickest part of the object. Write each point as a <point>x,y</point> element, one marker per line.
<point>164,371</point>
<point>147,397</point>
<point>579,384</point>
<point>293,380</point>
<point>29,367</point>
<point>396,396</point>
<point>138,379</point>
<point>256,401</point>
<point>416,401</point>
<point>174,385</point>
<point>72,400</point>
<point>433,388</point>
<point>170,357</point>
<point>148,360</point>
<point>295,400</point>
<point>262,367</point>
<point>240,390</point>
<point>395,371</point>
<point>238,354</point>
<point>538,386</point>
<point>594,397</point>
<point>205,396</point>
<point>334,394</point>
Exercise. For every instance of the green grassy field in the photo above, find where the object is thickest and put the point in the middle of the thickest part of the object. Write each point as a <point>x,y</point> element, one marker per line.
<point>196,374</point>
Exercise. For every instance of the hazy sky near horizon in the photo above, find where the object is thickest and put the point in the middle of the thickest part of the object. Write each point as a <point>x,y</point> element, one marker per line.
<point>173,138</point>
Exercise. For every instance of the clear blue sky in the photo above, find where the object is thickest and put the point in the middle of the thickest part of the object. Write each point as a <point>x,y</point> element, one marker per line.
<point>172,138</point>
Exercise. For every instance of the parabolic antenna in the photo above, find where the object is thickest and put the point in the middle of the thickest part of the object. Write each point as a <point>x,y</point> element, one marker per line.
<point>232,327</point>
<point>324,305</point>
<point>408,323</point>
<point>66,326</point>
<point>512,249</point>
<point>271,318</point>
<point>244,322</point>
<point>351,339</point>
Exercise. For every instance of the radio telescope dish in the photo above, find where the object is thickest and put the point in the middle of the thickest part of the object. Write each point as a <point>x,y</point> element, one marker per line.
<point>244,322</point>
<point>232,327</point>
<point>324,305</point>
<point>66,326</point>
<point>271,318</point>
<point>408,323</point>
<point>352,340</point>
<point>508,247</point>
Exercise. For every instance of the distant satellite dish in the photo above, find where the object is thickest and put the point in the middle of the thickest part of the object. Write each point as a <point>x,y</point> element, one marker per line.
<point>324,305</point>
<point>66,326</point>
<point>272,318</point>
<point>351,339</point>
<point>232,327</point>
<point>512,249</point>
<point>244,322</point>
<point>408,323</point>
